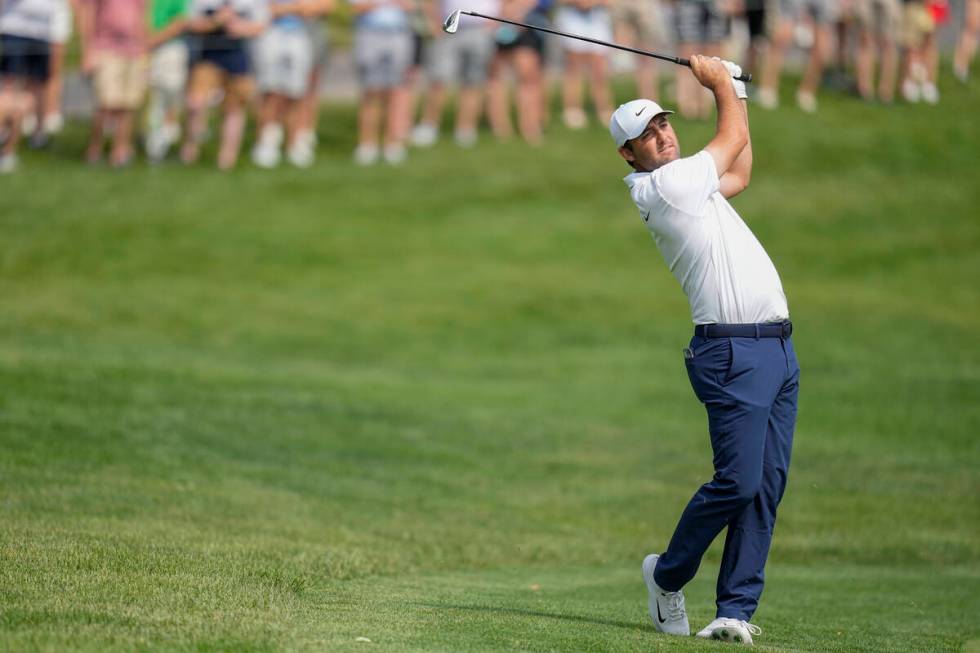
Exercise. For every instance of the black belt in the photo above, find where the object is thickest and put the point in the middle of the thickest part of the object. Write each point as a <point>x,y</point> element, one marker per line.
<point>763,330</point>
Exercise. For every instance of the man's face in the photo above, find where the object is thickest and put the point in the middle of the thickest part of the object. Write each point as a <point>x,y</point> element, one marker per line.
<point>656,146</point>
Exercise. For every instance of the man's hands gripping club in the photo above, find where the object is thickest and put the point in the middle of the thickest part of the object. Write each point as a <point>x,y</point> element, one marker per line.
<point>730,148</point>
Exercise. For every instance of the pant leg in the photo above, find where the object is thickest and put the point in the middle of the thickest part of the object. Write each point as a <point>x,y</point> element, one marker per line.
<point>736,379</point>
<point>742,574</point>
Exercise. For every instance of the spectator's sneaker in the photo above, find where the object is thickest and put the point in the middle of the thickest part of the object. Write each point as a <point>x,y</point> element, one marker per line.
<point>266,153</point>
<point>465,137</point>
<point>961,73</point>
<point>366,154</point>
<point>574,118</point>
<point>425,135</point>
<point>301,153</point>
<point>806,101</point>
<point>53,124</point>
<point>910,90</point>
<point>28,124</point>
<point>730,630</point>
<point>395,154</point>
<point>666,608</point>
<point>8,163</point>
<point>767,98</point>
<point>930,94</point>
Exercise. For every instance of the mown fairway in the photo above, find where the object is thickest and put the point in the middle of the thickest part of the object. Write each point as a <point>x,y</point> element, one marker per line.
<point>444,407</point>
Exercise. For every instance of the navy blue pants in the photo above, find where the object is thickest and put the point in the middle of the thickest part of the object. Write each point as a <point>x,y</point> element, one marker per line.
<point>749,388</point>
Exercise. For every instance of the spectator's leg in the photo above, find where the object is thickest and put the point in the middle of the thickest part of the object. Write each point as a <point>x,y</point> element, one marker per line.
<point>53,90</point>
<point>769,84</point>
<point>864,65</point>
<point>599,82</point>
<point>122,138</point>
<point>815,62</point>
<point>527,63</point>
<point>232,128</point>
<point>572,89</point>
<point>966,48</point>
<point>889,69</point>
<point>93,154</point>
<point>498,100</point>
<point>688,88</point>
<point>468,111</point>
<point>198,92</point>
<point>399,103</point>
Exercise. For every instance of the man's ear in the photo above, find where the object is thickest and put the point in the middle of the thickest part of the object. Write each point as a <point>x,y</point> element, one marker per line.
<point>627,154</point>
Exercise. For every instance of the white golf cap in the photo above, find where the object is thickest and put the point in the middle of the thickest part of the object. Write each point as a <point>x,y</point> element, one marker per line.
<point>630,119</point>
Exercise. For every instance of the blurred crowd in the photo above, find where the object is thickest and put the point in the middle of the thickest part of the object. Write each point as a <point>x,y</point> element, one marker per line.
<point>158,68</point>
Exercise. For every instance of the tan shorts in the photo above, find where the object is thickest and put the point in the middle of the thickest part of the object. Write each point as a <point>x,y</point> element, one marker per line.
<point>207,79</point>
<point>120,82</point>
<point>918,25</point>
<point>882,17</point>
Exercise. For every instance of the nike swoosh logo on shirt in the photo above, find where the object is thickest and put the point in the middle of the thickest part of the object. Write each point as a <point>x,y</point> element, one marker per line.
<point>645,216</point>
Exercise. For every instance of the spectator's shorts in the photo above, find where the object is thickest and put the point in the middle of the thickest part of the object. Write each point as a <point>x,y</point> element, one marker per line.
<point>382,57</point>
<point>120,81</point>
<point>463,57</point>
<point>756,19</point>
<point>509,37</point>
<point>594,23</point>
<point>882,17</point>
<point>645,18</point>
<point>917,25</point>
<point>823,12</point>
<point>24,58</point>
<point>318,37</point>
<point>284,61</point>
<point>168,67</point>
<point>61,22</point>
<point>207,78</point>
<point>699,22</point>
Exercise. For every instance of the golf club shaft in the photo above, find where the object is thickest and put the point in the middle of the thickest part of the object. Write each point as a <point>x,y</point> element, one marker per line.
<point>745,77</point>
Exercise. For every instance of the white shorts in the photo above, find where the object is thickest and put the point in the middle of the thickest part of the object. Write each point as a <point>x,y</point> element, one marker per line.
<point>594,23</point>
<point>168,67</point>
<point>284,61</point>
<point>463,57</point>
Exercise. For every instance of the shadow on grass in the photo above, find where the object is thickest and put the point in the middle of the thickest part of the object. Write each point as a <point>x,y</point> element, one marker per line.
<point>628,625</point>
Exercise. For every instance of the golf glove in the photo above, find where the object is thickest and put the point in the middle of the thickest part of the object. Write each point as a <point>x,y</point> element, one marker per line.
<point>735,71</point>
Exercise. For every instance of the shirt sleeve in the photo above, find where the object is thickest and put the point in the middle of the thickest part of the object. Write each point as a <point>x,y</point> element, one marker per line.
<point>686,184</point>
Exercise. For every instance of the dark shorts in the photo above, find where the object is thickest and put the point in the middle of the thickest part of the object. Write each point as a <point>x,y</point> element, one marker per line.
<point>230,55</point>
<point>756,18</point>
<point>24,58</point>
<point>510,37</point>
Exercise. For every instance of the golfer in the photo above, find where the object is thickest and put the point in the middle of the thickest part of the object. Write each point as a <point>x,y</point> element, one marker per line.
<point>740,361</point>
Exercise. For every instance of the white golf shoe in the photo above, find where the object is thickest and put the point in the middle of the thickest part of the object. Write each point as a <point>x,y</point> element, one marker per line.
<point>730,630</point>
<point>666,608</point>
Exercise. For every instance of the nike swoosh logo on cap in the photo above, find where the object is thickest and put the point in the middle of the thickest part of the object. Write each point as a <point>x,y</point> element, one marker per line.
<point>641,111</point>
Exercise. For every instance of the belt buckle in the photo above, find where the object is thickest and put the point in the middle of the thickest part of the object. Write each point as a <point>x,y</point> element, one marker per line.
<point>787,329</point>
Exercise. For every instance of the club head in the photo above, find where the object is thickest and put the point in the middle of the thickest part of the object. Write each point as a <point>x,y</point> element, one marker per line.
<point>452,23</point>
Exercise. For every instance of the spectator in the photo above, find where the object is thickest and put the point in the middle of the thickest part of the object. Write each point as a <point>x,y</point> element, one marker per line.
<point>168,75</point>
<point>25,27</point>
<point>114,41</point>
<point>383,56</point>
<point>310,104</point>
<point>463,58</point>
<point>586,18</point>
<point>818,15</point>
<point>54,121</point>
<point>220,34</point>
<point>879,23</point>
<point>284,66</point>
<point>922,57</point>
<point>966,47</point>
<point>639,23</point>
<point>700,27</point>
<point>522,50</point>
<point>755,19</point>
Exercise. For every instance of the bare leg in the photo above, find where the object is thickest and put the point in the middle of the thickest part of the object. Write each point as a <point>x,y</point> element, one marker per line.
<point>966,48</point>
<point>781,39</point>
<point>94,151</point>
<point>498,106</point>
<point>889,70</point>
<point>122,138</point>
<point>818,54</point>
<point>53,87</point>
<point>434,101</point>
<point>571,90</point>
<point>399,115</point>
<point>369,118</point>
<point>599,81</point>
<point>687,86</point>
<point>529,84</point>
<point>197,120</point>
<point>864,66</point>
<point>232,128</point>
<point>468,112</point>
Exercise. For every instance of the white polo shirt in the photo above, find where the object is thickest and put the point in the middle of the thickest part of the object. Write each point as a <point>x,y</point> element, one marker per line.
<point>726,274</point>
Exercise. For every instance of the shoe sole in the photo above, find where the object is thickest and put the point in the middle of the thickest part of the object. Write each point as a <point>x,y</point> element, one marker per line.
<point>731,635</point>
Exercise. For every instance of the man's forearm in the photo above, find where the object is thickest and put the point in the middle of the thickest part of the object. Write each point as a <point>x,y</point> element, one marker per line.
<point>732,134</point>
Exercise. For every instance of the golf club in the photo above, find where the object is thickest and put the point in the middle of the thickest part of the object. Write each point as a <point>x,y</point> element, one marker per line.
<point>452,24</point>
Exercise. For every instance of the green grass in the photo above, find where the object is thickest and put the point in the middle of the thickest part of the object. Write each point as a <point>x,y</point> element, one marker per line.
<point>443,406</point>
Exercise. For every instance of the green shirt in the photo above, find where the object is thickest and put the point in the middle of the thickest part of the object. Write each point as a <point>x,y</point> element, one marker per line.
<point>163,12</point>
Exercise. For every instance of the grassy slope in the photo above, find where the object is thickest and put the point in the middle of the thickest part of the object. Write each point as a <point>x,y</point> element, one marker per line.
<point>282,411</point>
